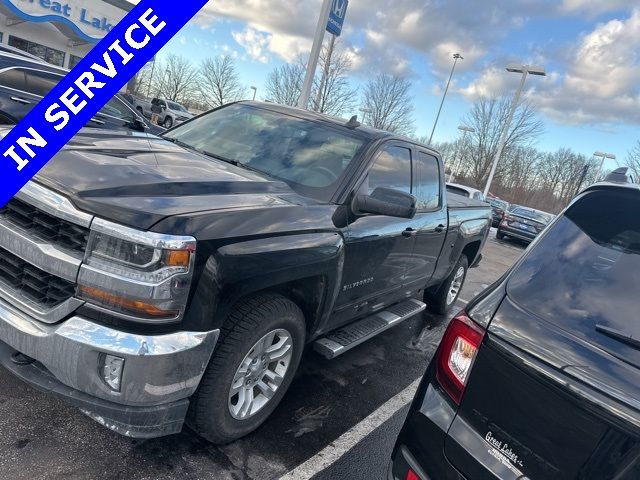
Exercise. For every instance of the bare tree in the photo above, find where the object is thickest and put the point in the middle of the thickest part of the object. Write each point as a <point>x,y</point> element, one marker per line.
<point>176,79</point>
<point>219,82</point>
<point>388,104</point>
<point>284,84</point>
<point>488,118</point>
<point>331,92</point>
<point>633,159</point>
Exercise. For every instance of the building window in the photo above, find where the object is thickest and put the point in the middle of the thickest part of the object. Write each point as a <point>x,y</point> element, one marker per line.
<point>49,55</point>
<point>73,61</point>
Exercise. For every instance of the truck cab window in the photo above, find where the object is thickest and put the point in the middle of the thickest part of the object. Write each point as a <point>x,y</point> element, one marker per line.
<point>428,185</point>
<point>116,108</point>
<point>392,169</point>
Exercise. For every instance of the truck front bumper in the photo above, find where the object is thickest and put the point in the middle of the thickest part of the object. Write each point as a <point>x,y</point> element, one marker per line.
<point>159,373</point>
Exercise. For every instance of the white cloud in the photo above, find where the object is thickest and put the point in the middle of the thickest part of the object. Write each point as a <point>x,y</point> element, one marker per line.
<point>598,79</point>
<point>601,82</point>
<point>254,42</point>
<point>432,27</point>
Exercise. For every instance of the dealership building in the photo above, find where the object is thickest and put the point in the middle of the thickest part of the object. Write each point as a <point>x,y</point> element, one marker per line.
<point>60,33</point>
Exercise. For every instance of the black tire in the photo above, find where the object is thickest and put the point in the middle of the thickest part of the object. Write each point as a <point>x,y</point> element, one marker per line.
<point>439,301</point>
<point>168,122</point>
<point>499,235</point>
<point>209,413</point>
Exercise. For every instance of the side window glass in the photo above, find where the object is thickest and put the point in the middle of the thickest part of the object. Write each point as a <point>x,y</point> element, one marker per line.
<point>392,169</point>
<point>40,83</point>
<point>428,187</point>
<point>116,108</point>
<point>14,78</point>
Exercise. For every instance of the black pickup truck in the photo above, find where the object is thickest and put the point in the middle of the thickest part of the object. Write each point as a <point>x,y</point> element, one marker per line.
<point>152,280</point>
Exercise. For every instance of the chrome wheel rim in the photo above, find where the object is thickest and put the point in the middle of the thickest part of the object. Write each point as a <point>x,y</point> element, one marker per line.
<point>260,374</point>
<point>456,285</point>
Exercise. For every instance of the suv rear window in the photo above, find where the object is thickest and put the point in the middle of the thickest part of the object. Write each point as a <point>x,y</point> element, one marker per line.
<point>585,271</point>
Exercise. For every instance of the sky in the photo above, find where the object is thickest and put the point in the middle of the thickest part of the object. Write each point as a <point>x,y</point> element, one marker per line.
<point>589,100</point>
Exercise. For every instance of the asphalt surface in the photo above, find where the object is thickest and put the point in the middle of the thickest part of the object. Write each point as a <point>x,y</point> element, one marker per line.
<point>42,438</point>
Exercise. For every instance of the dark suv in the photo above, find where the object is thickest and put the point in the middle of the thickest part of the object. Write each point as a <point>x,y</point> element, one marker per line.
<point>24,81</point>
<point>540,377</point>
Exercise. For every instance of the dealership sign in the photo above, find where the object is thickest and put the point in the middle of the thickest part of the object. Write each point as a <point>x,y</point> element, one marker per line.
<point>336,16</point>
<point>47,128</point>
<point>87,21</point>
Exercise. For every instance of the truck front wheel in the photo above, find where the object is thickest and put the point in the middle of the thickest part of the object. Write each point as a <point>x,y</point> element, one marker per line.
<point>254,363</point>
<point>448,292</point>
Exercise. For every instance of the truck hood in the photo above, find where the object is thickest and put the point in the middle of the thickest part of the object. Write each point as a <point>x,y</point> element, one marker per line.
<point>139,179</point>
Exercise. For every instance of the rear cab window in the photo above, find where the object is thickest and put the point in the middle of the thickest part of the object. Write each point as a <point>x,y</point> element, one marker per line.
<point>428,187</point>
<point>584,274</point>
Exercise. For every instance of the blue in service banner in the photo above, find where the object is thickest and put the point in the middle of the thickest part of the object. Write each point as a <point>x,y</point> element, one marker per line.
<point>87,88</point>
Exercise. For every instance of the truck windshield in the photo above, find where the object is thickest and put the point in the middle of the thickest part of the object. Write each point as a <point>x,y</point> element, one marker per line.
<point>300,152</point>
<point>583,275</point>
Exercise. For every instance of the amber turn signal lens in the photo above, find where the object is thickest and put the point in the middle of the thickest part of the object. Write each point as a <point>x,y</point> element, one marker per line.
<point>134,307</point>
<point>177,258</point>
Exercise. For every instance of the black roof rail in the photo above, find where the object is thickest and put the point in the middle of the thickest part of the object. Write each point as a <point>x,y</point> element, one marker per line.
<point>620,175</point>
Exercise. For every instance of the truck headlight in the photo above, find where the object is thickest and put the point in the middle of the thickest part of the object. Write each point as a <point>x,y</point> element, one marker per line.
<point>136,275</point>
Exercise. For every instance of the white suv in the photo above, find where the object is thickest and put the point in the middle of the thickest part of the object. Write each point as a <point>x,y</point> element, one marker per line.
<point>172,113</point>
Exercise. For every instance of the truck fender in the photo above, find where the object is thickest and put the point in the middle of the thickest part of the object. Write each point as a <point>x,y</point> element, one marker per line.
<point>241,269</point>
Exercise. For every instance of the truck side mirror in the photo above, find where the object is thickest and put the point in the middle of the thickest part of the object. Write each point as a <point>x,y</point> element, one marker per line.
<point>385,201</point>
<point>138,124</point>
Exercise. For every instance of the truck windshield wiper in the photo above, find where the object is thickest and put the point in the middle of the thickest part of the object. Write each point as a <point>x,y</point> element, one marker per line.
<point>229,160</point>
<point>220,157</point>
<point>212,155</point>
<point>618,335</point>
<point>182,144</point>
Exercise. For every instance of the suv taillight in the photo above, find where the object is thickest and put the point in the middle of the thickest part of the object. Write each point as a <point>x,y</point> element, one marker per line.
<point>456,354</point>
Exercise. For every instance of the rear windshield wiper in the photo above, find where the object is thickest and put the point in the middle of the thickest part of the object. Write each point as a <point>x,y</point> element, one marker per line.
<point>618,335</point>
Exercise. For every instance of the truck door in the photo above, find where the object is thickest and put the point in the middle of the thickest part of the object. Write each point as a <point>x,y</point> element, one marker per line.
<point>15,101</point>
<point>378,248</point>
<point>431,220</point>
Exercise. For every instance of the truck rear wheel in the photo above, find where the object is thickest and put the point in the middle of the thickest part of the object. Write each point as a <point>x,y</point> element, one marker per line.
<point>445,297</point>
<point>254,363</point>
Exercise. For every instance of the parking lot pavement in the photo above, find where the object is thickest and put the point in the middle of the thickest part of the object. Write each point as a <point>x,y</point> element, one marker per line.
<point>331,408</point>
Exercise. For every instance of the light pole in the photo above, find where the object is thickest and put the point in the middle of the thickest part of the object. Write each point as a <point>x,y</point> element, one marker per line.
<point>364,114</point>
<point>456,57</point>
<point>255,90</point>
<point>604,157</point>
<point>325,73</point>
<point>456,165</point>
<point>524,70</point>
<point>303,102</point>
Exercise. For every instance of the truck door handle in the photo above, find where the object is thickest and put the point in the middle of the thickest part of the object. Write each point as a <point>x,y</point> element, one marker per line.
<point>440,228</point>
<point>21,100</point>
<point>409,232</point>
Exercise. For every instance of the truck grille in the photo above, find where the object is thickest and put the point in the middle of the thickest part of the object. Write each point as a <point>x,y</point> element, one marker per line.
<point>46,227</point>
<point>31,282</point>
